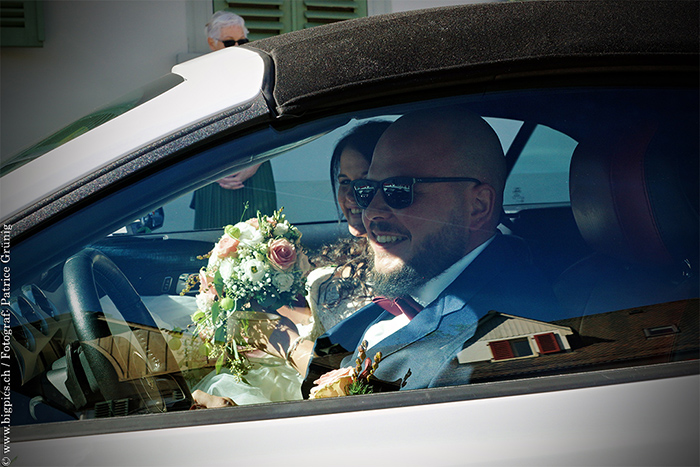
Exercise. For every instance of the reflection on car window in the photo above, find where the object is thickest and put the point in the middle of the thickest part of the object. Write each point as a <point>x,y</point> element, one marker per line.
<point>621,299</point>
<point>541,174</point>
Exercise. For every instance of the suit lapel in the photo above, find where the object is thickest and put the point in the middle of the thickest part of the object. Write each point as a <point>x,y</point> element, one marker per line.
<point>454,298</point>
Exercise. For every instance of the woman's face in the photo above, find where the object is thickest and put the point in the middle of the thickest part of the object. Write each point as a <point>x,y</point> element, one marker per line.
<point>352,166</point>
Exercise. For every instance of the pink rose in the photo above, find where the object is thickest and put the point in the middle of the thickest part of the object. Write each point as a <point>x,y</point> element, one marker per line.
<point>282,254</point>
<point>253,222</point>
<point>227,246</point>
<point>332,384</point>
<point>206,284</point>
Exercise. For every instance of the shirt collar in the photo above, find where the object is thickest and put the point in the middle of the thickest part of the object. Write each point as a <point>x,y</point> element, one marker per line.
<point>434,287</point>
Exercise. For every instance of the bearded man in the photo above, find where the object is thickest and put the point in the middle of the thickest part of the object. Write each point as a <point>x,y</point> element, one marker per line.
<point>432,202</point>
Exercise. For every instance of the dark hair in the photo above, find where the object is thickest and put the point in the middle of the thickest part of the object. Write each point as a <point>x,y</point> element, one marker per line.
<point>350,256</point>
<point>362,138</point>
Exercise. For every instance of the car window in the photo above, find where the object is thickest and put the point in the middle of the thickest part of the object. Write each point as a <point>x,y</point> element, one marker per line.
<point>151,357</point>
<point>301,178</point>
<point>541,174</point>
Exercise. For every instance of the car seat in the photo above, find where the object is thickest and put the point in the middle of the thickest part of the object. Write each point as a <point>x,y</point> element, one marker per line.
<point>634,197</point>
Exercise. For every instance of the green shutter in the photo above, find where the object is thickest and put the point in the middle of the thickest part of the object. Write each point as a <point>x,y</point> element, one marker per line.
<point>265,18</point>
<point>312,13</point>
<point>21,23</point>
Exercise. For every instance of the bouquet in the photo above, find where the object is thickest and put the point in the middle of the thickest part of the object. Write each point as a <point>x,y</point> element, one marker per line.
<point>256,265</point>
<point>348,381</point>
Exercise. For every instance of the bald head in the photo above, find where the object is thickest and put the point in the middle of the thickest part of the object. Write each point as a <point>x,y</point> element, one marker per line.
<point>458,143</point>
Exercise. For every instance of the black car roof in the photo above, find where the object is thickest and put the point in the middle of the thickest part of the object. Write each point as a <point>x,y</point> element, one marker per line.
<point>473,43</point>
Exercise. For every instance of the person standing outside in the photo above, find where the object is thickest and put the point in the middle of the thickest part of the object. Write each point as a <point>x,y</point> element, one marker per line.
<point>223,202</point>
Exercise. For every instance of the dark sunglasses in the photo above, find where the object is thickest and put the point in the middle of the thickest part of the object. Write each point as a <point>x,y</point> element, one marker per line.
<point>397,191</point>
<point>231,42</point>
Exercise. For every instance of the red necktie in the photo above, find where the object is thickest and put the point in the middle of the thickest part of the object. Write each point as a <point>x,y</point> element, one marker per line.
<point>398,306</point>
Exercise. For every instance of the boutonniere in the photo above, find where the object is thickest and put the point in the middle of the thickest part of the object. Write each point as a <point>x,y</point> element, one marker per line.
<point>348,381</point>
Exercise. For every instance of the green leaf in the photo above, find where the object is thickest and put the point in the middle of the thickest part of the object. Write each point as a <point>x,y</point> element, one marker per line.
<point>219,284</point>
<point>358,387</point>
<point>198,316</point>
<point>220,334</point>
<point>220,363</point>
<point>215,311</point>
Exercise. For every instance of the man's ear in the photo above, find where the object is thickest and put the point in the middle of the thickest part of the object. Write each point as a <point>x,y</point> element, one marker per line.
<point>483,205</point>
<point>212,43</point>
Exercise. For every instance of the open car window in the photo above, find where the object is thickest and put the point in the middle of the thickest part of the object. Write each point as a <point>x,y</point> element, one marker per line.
<point>617,305</point>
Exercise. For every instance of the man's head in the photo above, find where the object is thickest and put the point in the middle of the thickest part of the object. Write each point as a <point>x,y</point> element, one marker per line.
<point>224,29</point>
<point>446,220</point>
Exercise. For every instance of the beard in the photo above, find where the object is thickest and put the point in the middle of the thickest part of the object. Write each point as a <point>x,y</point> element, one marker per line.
<point>439,251</point>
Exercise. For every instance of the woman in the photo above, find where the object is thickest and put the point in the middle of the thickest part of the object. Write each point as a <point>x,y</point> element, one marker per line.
<point>337,288</point>
<point>224,202</point>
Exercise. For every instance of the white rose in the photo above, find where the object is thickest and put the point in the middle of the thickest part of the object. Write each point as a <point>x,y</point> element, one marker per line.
<point>281,229</point>
<point>283,281</point>
<point>204,301</point>
<point>254,269</point>
<point>214,260</point>
<point>226,268</point>
<point>248,234</point>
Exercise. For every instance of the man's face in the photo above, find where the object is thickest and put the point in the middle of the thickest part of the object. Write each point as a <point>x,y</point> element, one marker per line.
<point>432,233</point>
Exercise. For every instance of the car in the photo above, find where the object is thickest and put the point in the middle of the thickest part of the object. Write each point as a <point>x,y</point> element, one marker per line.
<point>596,106</point>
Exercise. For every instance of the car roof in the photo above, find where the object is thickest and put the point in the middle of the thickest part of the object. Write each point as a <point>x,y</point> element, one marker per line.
<point>370,57</point>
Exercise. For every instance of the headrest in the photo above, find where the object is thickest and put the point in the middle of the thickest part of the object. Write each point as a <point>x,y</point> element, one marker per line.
<point>635,195</point>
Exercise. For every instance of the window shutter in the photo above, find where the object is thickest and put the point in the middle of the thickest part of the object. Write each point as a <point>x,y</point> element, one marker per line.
<point>265,18</point>
<point>501,350</point>
<point>312,13</point>
<point>547,343</point>
<point>21,23</point>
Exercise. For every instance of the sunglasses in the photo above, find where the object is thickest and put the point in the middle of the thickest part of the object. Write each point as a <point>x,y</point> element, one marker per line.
<point>397,191</point>
<point>231,42</point>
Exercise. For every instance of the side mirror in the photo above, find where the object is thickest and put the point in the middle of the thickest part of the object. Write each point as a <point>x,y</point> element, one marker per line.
<point>148,223</point>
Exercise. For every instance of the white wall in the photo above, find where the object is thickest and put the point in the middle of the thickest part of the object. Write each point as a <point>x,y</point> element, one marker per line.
<point>94,52</point>
<point>97,50</point>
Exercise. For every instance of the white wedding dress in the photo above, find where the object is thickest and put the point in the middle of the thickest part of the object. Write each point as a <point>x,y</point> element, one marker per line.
<point>270,380</point>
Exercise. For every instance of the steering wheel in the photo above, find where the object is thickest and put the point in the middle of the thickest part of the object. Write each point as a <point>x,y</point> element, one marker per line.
<point>82,273</point>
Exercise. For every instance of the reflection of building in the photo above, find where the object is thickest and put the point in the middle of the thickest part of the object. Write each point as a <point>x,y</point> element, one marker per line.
<point>137,351</point>
<point>510,347</point>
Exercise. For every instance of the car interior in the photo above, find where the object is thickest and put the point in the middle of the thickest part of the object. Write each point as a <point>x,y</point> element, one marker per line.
<point>602,193</point>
